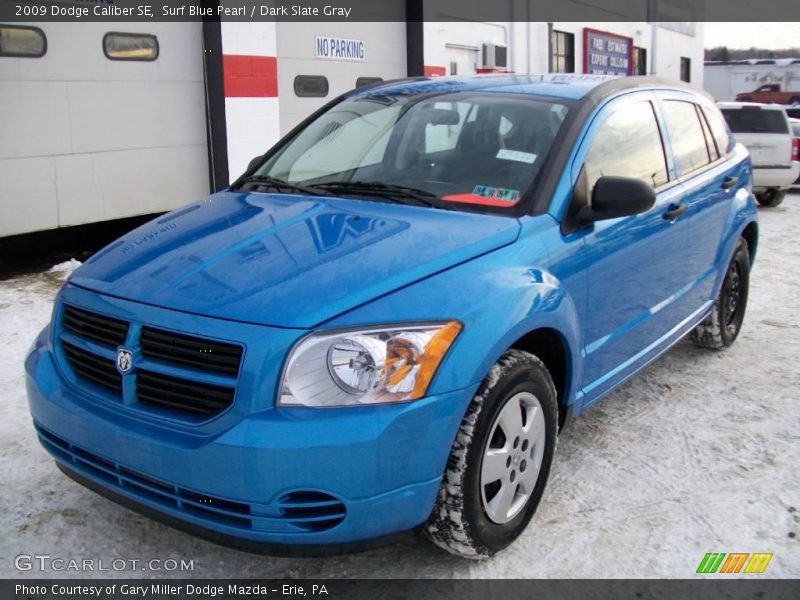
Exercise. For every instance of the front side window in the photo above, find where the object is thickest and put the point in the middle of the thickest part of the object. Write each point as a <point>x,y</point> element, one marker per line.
<point>130,46</point>
<point>628,144</point>
<point>22,42</point>
<point>686,136</point>
<point>456,148</point>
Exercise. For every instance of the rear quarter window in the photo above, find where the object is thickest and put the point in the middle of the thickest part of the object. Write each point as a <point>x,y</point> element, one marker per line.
<point>756,120</point>
<point>719,129</point>
<point>686,136</point>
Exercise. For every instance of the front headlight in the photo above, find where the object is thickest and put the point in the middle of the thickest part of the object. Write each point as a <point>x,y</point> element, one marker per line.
<point>373,366</point>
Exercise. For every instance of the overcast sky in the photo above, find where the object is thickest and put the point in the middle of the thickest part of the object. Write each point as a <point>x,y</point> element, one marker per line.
<point>746,35</point>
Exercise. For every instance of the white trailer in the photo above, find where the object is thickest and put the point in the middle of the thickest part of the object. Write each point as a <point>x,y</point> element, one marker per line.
<point>724,80</point>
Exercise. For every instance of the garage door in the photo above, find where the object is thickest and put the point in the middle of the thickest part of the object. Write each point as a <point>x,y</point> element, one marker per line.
<point>108,122</point>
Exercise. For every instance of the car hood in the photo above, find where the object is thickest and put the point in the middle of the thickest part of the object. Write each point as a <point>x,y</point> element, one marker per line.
<point>285,260</point>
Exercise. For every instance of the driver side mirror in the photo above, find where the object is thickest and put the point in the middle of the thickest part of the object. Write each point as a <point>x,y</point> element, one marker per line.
<point>615,197</point>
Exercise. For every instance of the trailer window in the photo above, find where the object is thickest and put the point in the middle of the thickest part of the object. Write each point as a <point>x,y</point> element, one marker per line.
<point>23,42</point>
<point>130,46</point>
<point>362,81</point>
<point>311,86</point>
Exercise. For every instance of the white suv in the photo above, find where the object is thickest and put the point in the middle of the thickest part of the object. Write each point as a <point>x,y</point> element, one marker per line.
<point>764,129</point>
<point>795,123</point>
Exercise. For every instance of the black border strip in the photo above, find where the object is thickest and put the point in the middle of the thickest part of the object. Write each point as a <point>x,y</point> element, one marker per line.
<point>216,124</point>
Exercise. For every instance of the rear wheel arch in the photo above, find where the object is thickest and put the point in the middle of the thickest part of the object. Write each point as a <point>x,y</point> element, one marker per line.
<point>750,235</point>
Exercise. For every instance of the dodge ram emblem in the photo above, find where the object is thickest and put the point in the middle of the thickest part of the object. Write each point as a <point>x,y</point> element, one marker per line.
<point>124,360</point>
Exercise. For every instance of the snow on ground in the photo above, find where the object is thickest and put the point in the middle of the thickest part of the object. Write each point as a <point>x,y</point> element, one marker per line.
<point>696,454</point>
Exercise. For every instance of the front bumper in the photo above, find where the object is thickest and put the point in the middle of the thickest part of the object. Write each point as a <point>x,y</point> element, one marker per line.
<point>319,480</point>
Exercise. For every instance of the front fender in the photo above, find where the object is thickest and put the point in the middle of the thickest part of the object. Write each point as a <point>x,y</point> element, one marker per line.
<point>498,298</point>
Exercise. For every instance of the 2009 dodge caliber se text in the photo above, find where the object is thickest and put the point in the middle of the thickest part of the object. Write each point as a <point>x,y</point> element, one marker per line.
<point>381,327</point>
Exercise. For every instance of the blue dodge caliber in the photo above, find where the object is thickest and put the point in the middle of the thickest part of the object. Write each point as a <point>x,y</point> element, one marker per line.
<point>380,328</point>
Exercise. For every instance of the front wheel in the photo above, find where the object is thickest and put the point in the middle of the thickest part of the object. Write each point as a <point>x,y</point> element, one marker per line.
<point>498,467</point>
<point>721,327</point>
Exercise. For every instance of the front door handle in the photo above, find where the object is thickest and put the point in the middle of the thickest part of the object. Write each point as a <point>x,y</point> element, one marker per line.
<point>729,182</point>
<point>674,211</point>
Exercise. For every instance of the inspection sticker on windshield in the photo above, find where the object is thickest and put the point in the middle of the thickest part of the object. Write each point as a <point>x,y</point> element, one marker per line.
<point>517,155</point>
<point>497,193</point>
<point>487,195</point>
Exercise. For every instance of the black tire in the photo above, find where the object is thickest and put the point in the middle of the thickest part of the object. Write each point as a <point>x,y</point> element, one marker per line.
<point>794,100</point>
<point>459,523</point>
<point>746,99</point>
<point>771,198</point>
<point>722,326</point>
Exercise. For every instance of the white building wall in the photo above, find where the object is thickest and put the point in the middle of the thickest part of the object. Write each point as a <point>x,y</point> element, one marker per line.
<point>528,44</point>
<point>384,57</point>
<point>252,120</point>
<point>672,45</point>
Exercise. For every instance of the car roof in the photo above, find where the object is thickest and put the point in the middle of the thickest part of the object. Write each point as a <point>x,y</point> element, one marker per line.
<point>570,86</point>
<point>751,104</point>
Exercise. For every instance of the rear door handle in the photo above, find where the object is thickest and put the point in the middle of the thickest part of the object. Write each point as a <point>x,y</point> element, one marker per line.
<point>729,182</point>
<point>675,211</point>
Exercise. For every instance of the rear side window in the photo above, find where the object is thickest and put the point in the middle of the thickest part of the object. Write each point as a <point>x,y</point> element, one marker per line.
<point>755,120</point>
<point>719,130</point>
<point>628,144</point>
<point>686,136</point>
<point>23,42</point>
<point>711,146</point>
<point>796,129</point>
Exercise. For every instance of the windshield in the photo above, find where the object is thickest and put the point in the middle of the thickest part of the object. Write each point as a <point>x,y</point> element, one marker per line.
<point>459,150</point>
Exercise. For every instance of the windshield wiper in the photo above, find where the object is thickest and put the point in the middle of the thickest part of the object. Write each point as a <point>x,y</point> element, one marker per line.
<point>280,184</point>
<point>389,191</point>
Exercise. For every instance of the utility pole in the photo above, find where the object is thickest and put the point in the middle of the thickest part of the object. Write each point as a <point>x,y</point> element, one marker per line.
<point>652,16</point>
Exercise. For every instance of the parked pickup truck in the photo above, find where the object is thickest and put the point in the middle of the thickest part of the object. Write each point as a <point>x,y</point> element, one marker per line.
<point>770,93</point>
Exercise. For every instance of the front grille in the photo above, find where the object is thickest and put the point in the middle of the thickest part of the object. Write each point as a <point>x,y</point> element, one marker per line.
<point>95,327</point>
<point>194,397</point>
<point>96,369</point>
<point>181,374</point>
<point>193,352</point>
<point>296,512</point>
